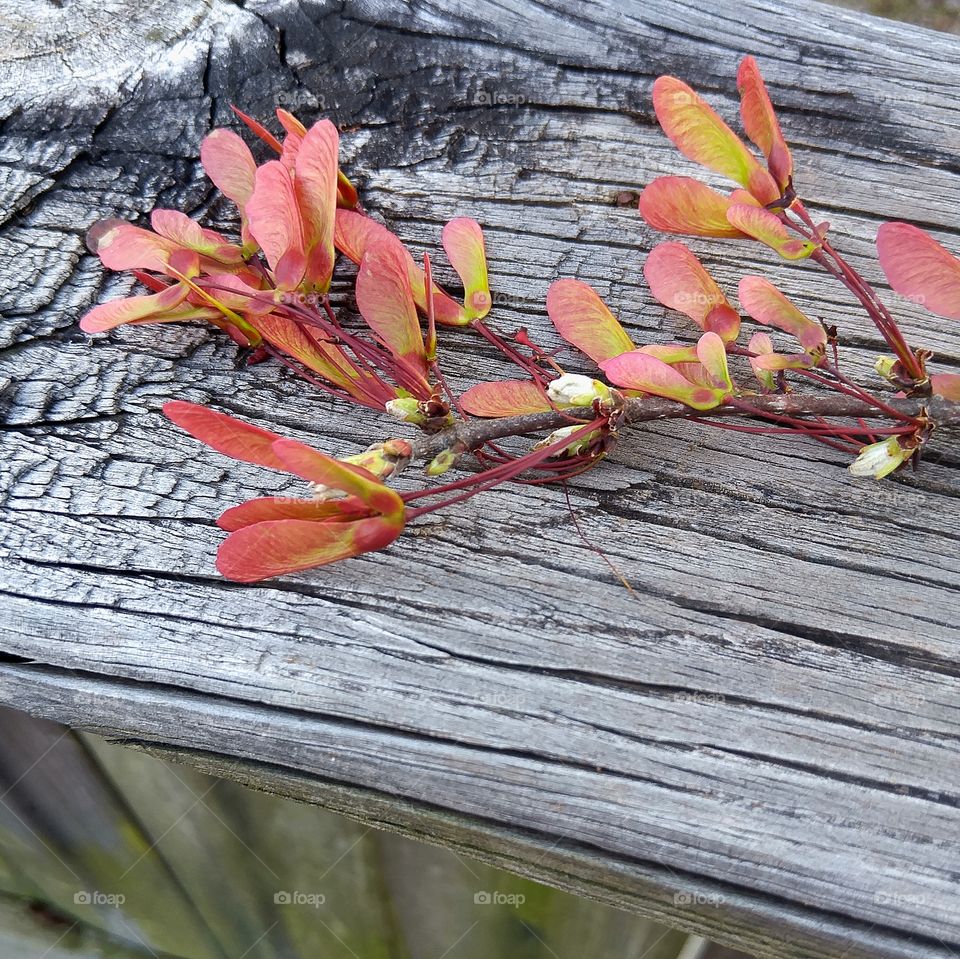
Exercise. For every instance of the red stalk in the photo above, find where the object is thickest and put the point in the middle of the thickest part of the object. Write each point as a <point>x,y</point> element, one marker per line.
<point>527,365</point>
<point>849,388</point>
<point>843,446</point>
<point>431,312</point>
<point>497,475</point>
<point>861,289</point>
<point>317,381</point>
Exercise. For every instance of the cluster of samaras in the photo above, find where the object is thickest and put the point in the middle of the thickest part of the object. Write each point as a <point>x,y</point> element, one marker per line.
<point>297,211</point>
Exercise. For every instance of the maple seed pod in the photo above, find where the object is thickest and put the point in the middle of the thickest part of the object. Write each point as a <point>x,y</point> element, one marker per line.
<point>575,389</point>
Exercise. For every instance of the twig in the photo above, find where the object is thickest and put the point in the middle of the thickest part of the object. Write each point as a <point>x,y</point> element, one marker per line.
<point>473,435</point>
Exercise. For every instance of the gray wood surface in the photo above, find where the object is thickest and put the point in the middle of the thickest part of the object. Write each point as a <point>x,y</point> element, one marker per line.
<point>760,744</point>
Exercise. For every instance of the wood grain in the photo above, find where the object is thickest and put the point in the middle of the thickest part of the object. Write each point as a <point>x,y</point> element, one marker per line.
<point>760,743</point>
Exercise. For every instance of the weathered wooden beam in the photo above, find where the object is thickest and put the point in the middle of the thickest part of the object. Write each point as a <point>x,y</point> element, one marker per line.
<point>770,718</point>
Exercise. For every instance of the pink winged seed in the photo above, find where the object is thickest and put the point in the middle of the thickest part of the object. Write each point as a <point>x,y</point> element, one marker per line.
<point>229,163</point>
<point>354,232</point>
<point>679,281</point>
<point>275,223</point>
<point>701,135</point>
<point>583,320</point>
<point>767,227</point>
<point>463,243</point>
<point>275,547</point>
<point>641,371</point>
<point>385,300</point>
<point>920,269</point>
<point>767,305</point>
<point>504,398</point>
<point>315,186</point>
<point>683,205</point>
<point>760,121</point>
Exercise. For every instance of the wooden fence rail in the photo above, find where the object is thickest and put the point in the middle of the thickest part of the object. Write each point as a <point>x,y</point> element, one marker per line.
<point>761,742</point>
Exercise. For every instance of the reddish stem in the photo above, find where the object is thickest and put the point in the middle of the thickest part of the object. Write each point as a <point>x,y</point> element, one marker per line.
<point>527,365</point>
<point>869,298</point>
<point>497,475</point>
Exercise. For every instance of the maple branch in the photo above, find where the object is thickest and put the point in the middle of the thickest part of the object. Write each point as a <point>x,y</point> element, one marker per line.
<point>475,433</point>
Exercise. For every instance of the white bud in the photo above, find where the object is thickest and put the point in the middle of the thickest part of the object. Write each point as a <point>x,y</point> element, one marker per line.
<point>322,493</point>
<point>578,446</point>
<point>880,459</point>
<point>575,389</point>
<point>406,409</point>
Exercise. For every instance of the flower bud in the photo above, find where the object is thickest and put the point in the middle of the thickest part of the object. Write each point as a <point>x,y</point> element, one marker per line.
<point>892,370</point>
<point>407,410</point>
<point>400,449</point>
<point>885,366</point>
<point>382,459</point>
<point>578,446</point>
<point>880,459</point>
<point>429,414</point>
<point>442,462</point>
<point>575,389</point>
